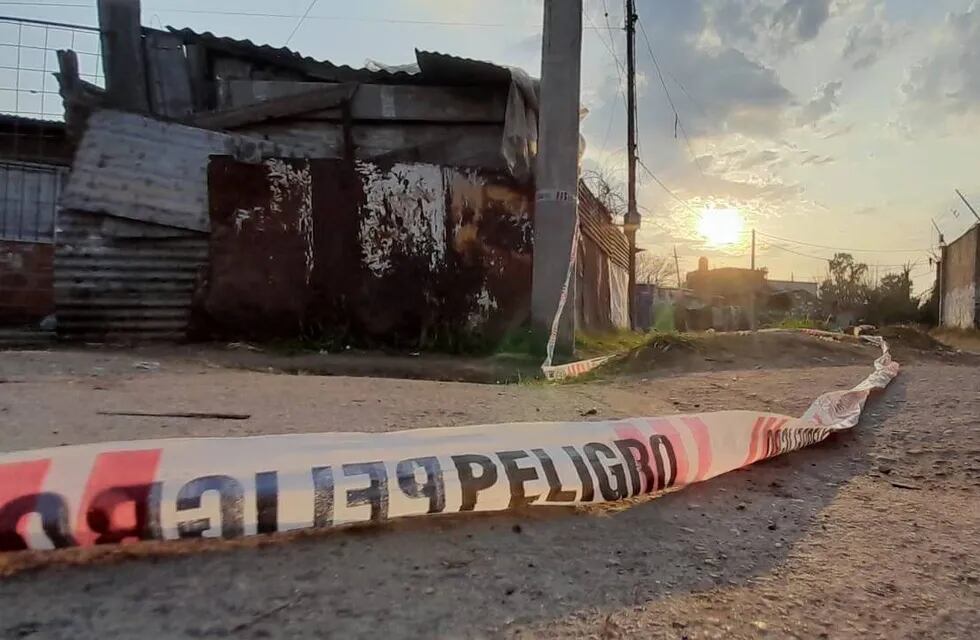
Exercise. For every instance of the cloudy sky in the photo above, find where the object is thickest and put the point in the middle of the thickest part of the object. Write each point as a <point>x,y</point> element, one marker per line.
<point>826,123</point>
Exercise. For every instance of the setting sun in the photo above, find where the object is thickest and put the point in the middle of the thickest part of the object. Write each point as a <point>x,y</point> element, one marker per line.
<point>721,226</point>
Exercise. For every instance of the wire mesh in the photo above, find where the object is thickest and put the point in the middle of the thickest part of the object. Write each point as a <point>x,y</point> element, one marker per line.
<point>29,182</point>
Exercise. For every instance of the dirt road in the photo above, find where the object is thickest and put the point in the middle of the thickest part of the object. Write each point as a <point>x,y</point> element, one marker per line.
<point>874,533</point>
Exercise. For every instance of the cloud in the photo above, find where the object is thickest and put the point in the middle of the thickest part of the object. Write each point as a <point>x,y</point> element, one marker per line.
<point>863,45</point>
<point>869,38</point>
<point>758,159</point>
<point>839,131</point>
<point>801,19</point>
<point>816,159</point>
<point>948,81</point>
<point>717,88</point>
<point>864,211</point>
<point>768,26</point>
<point>823,103</point>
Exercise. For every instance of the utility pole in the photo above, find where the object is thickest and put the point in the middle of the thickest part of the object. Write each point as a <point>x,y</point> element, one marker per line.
<point>122,55</point>
<point>677,267</point>
<point>940,263</point>
<point>968,205</point>
<point>632,222</point>
<point>752,319</point>
<point>556,172</point>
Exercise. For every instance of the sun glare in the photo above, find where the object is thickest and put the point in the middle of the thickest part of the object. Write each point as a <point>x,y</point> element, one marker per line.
<point>721,226</point>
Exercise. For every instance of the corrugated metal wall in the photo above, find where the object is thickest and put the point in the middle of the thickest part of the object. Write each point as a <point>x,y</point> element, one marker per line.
<point>132,229</point>
<point>122,280</point>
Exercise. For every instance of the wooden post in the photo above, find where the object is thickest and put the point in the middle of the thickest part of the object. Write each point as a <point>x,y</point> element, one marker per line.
<point>122,55</point>
<point>632,222</point>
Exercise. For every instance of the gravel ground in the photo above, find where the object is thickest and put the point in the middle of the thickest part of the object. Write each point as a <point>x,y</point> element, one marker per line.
<point>817,543</point>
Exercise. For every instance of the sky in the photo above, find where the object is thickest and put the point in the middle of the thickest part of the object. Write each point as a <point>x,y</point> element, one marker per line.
<point>827,124</point>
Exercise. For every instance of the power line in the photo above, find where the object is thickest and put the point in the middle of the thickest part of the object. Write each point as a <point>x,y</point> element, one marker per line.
<point>677,117</point>
<point>824,246</point>
<point>665,187</point>
<point>619,72</point>
<point>823,258</point>
<point>298,24</point>
<point>258,14</point>
<point>695,102</point>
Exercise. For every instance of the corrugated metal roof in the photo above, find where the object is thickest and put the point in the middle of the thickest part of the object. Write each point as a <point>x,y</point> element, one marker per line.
<point>287,58</point>
<point>434,67</point>
<point>442,68</point>
<point>143,169</point>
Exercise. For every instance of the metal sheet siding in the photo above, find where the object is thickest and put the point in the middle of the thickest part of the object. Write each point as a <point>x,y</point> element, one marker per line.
<point>130,281</point>
<point>407,255</point>
<point>152,171</point>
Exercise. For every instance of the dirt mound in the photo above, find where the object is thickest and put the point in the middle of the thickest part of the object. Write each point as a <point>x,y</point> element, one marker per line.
<point>911,338</point>
<point>665,355</point>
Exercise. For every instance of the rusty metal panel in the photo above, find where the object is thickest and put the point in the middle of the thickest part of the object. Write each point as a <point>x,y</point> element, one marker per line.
<point>406,254</point>
<point>143,169</point>
<point>124,280</point>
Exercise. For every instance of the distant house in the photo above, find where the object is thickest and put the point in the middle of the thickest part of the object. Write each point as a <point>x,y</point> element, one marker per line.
<point>790,286</point>
<point>791,297</point>
<point>733,285</point>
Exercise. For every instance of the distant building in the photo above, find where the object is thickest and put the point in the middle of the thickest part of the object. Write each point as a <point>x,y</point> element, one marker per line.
<point>733,285</point>
<point>790,286</point>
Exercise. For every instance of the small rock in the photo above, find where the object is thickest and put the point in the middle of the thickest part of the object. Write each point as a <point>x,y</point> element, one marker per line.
<point>740,506</point>
<point>760,625</point>
<point>589,412</point>
<point>516,528</point>
<point>773,526</point>
<point>429,591</point>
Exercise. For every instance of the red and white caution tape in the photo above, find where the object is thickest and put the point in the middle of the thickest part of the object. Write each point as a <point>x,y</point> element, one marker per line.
<point>121,492</point>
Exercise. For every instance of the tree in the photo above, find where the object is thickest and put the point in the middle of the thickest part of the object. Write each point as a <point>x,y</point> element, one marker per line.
<point>654,269</point>
<point>891,301</point>
<point>845,288</point>
<point>607,190</point>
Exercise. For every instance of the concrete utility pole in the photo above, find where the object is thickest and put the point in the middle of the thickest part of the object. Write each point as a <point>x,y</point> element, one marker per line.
<point>556,171</point>
<point>632,222</point>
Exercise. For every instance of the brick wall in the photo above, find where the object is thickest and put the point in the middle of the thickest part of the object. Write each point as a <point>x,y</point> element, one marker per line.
<point>26,282</point>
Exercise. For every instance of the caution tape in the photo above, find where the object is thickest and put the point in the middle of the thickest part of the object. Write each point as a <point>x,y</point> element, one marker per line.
<point>121,492</point>
<point>571,369</point>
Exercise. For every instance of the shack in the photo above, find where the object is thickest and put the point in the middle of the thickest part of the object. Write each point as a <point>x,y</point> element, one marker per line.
<point>248,191</point>
<point>34,159</point>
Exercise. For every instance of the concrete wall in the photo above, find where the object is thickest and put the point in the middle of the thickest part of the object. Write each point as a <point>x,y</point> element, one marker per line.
<point>961,274</point>
<point>26,282</point>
